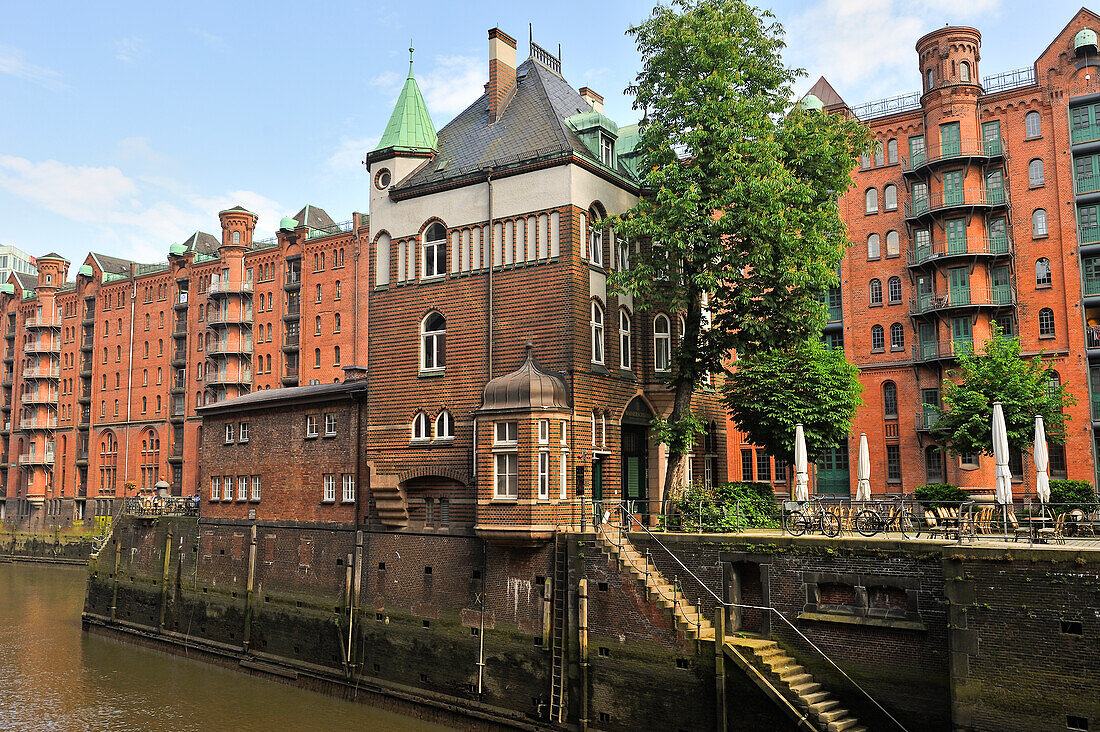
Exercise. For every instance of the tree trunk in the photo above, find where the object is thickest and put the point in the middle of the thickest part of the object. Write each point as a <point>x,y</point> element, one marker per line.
<point>681,406</point>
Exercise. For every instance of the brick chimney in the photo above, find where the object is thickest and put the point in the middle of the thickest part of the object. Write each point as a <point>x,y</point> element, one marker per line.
<point>594,100</point>
<point>502,72</point>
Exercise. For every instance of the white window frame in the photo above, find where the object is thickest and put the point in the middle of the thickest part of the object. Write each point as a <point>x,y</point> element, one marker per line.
<point>438,339</point>
<point>227,488</point>
<point>328,488</point>
<point>544,475</point>
<point>215,487</point>
<point>330,424</point>
<point>242,487</point>
<point>505,434</point>
<point>595,244</point>
<point>434,255</point>
<point>311,425</point>
<point>625,361</point>
<point>689,469</point>
<point>444,426</point>
<point>256,481</point>
<point>420,431</point>
<point>563,478</point>
<point>597,323</point>
<point>229,433</point>
<point>544,432</point>
<point>564,433</point>
<point>506,476</point>
<point>242,432</point>
<point>662,344</point>
<point>607,150</point>
<point>347,488</point>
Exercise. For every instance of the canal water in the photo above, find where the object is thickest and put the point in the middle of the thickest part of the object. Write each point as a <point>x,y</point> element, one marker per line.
<point>55,677</point>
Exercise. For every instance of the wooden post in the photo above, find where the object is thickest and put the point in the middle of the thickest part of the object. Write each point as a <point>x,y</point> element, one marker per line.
<point>114,582</point>
<point>546,617</point>
<point>720,668</point>
<point>246,640</point>
<point>582,632</point>
<point>164,579</point>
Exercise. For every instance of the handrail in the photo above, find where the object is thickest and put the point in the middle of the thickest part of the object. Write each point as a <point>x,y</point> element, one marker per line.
<point>625,511</point>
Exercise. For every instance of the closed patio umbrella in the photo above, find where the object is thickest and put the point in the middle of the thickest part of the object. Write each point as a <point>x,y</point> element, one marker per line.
<point>863,471</point>
<point>1042,458</point>
<point>801,466</point>
<point>1000,456</point>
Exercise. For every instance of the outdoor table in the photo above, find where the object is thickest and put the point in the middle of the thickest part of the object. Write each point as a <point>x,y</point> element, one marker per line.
<point>1035,523</point>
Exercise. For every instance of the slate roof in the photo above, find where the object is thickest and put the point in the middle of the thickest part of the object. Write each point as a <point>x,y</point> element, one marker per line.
<point>114,265</point>
<point>314,218</point>
<point>824,91</point>
<point>52,255</point>
<point>202,243</point>
<point>26,281</point>
<point>264,398</point>
<point>532,126</point>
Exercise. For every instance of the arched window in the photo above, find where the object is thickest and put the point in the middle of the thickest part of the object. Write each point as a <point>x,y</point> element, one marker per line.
<point>893,287</point>
<point>662,343</point>
<point>317,325</point>
<point>964,71</point>
<point>624,339</point>
<point>878,338</point>
<point>336,294</point>
<point>1043,276</point>
<point>928,79</point>
<point>433,342</point>
<point>444,426</point>
<point>595,237</point>
<point>1039,222</point>
<point>317,358</point>
<point>893,245</point>
<point>871,200</point>
<point>336,322</point>
<point>1054,384</point>
<point>879,158</point>
<point>890,197</point>
<point>1046,323</point>
<point>236,237</point>
<point>420,427</point>
<point>1035,172</point>
<point>873,246</point>
<point>889,400</point>
<point>1033,126</point>
<point>876,291</point>
<point>336,355</point>
<point>318,292</point>
<point>897,337</point>
<point>892,151</point>
<point>596,324</point>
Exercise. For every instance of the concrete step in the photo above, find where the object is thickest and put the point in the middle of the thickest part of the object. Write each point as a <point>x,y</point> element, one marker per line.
<point>806,688</point>
<point>848,724</point>
<point>787,672</point>
<point>797,679</point>
<point>816,697</point>
<point>777,660</point>
<point>822,705</point>
<point>834,715</point>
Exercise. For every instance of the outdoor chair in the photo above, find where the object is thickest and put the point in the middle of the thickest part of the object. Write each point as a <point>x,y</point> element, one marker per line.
<point>984,519</point>
<point>1056,532</point>
<point>1017,530</point>
<point>934,526</point>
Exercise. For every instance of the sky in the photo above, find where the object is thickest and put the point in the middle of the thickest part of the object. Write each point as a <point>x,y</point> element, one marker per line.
<point>125,127</point>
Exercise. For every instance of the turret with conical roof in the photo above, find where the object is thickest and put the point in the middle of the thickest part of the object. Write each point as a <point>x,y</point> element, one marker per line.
<point>410,129</point>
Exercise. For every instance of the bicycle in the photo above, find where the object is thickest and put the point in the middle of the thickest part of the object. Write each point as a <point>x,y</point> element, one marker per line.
<point>812,516</point>
<point>870,521</point>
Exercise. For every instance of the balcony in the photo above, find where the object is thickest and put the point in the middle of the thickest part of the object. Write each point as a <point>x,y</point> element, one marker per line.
<point>220,289</point>
<point>179,357</point>
<point>238,318</point>
<point>290,342</point>
<point>1086,184</point>
<point>43,372</point>
<point>943,350</point>
<point>220,378</point>
<point>6,379</point>
<point>926,421</point>
<point>85,416</point>
<point>45,345</point>
<point>82,457</point>
<point>982,246</point>
<point>227,349</point>
<point>957,199</point>
<point>954,151</point>
<point>85,396</point>
<point>970,297</point>
<point>40,323</point>
<point>290,378</point>
<point>179,327</point>
<point>293,310</point>
<point>9,354</point>
<point>38,423</point>
<point>1090,286</point>
<point>293,280</point>
<point>178,407</point>
<point>28,458</point>
<point>86,367</point>
<point>33,398</point>
<point>1086,133</point>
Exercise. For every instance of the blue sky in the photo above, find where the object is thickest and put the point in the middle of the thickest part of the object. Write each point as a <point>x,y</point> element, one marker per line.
<point>126,126</point>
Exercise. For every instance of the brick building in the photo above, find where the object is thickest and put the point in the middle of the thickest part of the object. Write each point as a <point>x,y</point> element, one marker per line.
<point>978,205</point>
<point>102,374</point>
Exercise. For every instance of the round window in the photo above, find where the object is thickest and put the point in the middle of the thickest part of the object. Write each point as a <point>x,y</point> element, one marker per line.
<point>382,180</point>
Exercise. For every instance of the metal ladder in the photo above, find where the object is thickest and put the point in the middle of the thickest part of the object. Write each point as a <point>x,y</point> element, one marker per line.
<point>557,633</point>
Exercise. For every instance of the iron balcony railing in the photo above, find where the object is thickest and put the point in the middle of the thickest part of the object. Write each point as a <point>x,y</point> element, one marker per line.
<point>1009,80</point>
<point>1086,184</point>
<point>36,322</point>
<point>180,326</point>
<point>1088,234</point>
<point>317,233</point>
<point>179,355</point>
<point>38,423</point>
<point>291,373</point>
<point>178,406</point>
<point>293,277</point>
<point>35,398</point>
<point>998,296</point>
<point>228,378</point>
<point>955,149</point>
<point>1091,286</point>
<point>1085,133</point>
<point>228,287</point>
<point>42,372</point>
<point>44,345</point>
<point>989,196</point>
<point>218,349</point>
<point>224,318</point>
<point>884,107</point>
<point>943,349</point>
<point>290,340</point>
<point>28,458</point>
<point>988,245</point>
<point>157,506</point>
<point>926,421</point>
<point>293,308</point>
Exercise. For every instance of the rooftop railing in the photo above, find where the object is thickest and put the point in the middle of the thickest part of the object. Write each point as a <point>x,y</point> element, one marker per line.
<point>1009,80</point>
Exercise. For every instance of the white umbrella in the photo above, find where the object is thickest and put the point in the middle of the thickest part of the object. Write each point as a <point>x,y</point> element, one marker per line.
<point>801,466</point>
<point>863,471</point>
<point>1000,455</point>
<point>1042,480</point>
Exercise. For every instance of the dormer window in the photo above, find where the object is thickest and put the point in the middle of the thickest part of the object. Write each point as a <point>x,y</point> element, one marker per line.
<point>607,150</point>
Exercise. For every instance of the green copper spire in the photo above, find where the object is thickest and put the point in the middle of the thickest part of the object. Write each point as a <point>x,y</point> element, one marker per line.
<point>410,126</point>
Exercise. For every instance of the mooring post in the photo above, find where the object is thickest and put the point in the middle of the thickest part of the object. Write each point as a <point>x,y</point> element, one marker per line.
<point>582,633</point>
<point>164,579</point>
<point>248,589</point>
<point>546,618</point>
<point>114,582</point>
<point>721,719</point>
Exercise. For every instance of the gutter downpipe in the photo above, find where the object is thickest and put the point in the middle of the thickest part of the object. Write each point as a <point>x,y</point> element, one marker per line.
<point>129,377</point>
<point>492,257</point>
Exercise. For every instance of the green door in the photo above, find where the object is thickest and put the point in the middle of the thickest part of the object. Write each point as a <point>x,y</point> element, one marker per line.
<point>998,236</point>
<point>1002,286</point>
<point>930,399</point>
<point>960,335</point>
<point>924,293</point>
<point>995,187</point>
<point>953,188</point>
<point>959,284</point>
<point>922,239</point>
<point>634,462</point>
<point>991,137</point>
<point>956,236</point>
<point>920,198</point>
<point>928,340</point>
<point>916,151</point>
<point>597,480</point>
<point>949,140</point>
<point>832,472</point>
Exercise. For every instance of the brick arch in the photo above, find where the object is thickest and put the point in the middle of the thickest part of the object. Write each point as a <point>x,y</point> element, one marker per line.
<point>428,222</point>
<point>459,476</point>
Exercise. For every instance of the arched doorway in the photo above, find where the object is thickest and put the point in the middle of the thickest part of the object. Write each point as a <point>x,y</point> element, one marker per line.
<point>635,452</point>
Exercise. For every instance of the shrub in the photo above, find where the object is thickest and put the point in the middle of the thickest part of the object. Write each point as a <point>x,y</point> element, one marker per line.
<point>728,507</point>
<point>1080,493</point>
<point>934,495</point>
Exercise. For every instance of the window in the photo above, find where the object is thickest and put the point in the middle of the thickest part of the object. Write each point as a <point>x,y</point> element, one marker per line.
<point>878,338</point>
<point>624,339</point>
<point>607,150</point>
<point>544,432</point>
<point>964,72</point>
<point>1033,126</point>
<point>746,465</point>
<point>348,486</point>
<point>871,200</point>
<point>316,358</point>
<point>330,424</point>
<point>1043,276</point>
<point>897,337</point>
<point>506,433</point>
<point>865,161</point>
<point>242,487</point>
<point>255,487</point>
<point>623,250</point>
<point>597,332</point>
<point>1039,223</point>
<point>876,291</point>
<point>873,246</point>
<point>336,322</point>
<point>506,478</point>
<point>1035,172</point>
<point>595,237</point>
<point>229,433</point>
<point>890,197</point>
<point>893,463</point>
<point>544,475</point>
<point>328,491</point>
<point>215,488</point>
<point>892,151</point>
<point>893,287</point>
<point>889,400</point>
<point>444,426</point>
<point>879,158</point>
<point>420,428</point>
<point>928,80</point>
<point>563,477</point>
<point>311,426</point>
<point>662,343</point>
<point>318,292</point>
<point>336,355</point>
<point>893,246</point>
<point>1046,323</point>
<point>763,467</point>
<point>433,342</point>
<point>317,326</point>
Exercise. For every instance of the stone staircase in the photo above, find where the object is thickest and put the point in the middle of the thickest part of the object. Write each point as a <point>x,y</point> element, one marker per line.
<point>783,673</point>
<point>391,505</point>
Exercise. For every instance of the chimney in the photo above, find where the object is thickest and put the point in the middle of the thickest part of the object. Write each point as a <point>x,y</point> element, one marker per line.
<point>502,72</point>
<point>594,100</point>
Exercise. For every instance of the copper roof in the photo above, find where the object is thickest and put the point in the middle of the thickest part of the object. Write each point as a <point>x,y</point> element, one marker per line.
<point>526,388</point>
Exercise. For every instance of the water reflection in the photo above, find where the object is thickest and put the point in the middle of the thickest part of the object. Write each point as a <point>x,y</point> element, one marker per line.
<point>54,677</point>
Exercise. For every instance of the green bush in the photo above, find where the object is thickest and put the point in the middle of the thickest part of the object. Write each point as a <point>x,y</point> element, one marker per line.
<point>933,495</point>
<point>1080,493</point>
<point>728,507</point>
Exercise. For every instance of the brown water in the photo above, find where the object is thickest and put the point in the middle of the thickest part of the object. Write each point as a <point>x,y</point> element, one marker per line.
<point>55,677</point>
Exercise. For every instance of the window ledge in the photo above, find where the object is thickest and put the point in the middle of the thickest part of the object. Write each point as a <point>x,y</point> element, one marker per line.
<point>1047,337</point>
<point>873,259</point>
<point>433,278</point>
<point>894,302</point>
<point>1040,236</point>
<point>875,305</point>
<point>311,437</point>
<point>329,434</point>
<point>328,501</point>
<point>896,623</point>
<point>599,368</point>
<point>1037,137</point>
<point>431,373</point>
<point>893,256</point>
<point>1044,287</point>
<point>878,350</point>
<point>505,499</point>
<point>870,213</point>
<point>1033,186</point>
<point>420,441</point>
<point>627,374</point>
<point>505,448</point>
<point>443,440</point>
<point>253,500</point>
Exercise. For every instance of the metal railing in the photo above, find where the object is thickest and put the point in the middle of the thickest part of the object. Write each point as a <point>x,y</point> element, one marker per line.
<point>941,349</point>
<point>157,506</point>
<point>45,345</point>
<point>223,288</point>
<point>884,107</point>
<point>293,277</point>
<point>1009,80</point>
<point>1086,184</point>
<point>27,458</point>
<point>317,233</point>
<point>989,196</point>
<point>1085,133</point>
<point>991,245</point>
<point>969,147</point>
<point>998,296</point>
<point>36,322</point>
<point>42,372</point>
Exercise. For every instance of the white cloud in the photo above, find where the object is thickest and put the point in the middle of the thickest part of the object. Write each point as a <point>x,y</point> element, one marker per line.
<point>452,84</point>
<point>12,63</point>
<point>129,49</point>
<point>77,192</point>
<point>387,79</point>
<point>348,157</point>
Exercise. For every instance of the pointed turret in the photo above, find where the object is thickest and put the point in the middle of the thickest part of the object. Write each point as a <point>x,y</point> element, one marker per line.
<point>410,129</point>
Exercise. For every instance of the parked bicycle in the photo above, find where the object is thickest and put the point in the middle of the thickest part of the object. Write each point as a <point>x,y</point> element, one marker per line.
<point>895,517</point>
<point>800,518</point>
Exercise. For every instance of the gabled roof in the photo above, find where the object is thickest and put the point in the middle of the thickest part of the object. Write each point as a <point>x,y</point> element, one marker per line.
<point>532,126</point>
<point>114,265</point>
<point>824,91</point>
<point>202,243</point>
<point>410,126</point>
<point>26,281</point>
<point>53,255</point>
<point>313,217</point>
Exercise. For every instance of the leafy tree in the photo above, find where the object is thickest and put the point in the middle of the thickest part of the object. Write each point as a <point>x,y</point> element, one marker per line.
<point>999,374</point>
<point>772,391</point>
<point>739,196</point>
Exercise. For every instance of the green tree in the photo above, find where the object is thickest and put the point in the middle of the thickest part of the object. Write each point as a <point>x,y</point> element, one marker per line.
<point>1024,387</point>
<point>739,207</point>
<point>772,391</point>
